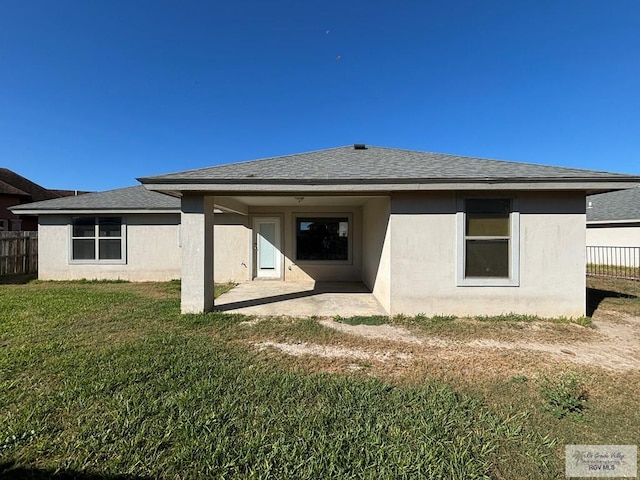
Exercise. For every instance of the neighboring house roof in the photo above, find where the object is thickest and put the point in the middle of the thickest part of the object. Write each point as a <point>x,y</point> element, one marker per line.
<point>68,193</point>
<point>367,166</point>
<point>128,199</point>
<point>620,206</point>
<point>26,186</point>
<point>6,189</point>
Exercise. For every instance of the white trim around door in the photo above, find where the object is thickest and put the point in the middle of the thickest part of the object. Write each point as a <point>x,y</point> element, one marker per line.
<point>267,247</point>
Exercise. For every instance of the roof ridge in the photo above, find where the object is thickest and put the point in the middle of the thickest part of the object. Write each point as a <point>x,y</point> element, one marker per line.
<point>245,162</point>
<point>400,151</point>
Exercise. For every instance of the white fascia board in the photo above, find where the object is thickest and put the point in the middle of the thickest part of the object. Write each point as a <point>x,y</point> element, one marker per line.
<point>77,211</point>
<point>234,189</point>
<point>606,222</point>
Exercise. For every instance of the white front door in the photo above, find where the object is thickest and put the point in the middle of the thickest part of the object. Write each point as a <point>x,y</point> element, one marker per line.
<point>266,241</point>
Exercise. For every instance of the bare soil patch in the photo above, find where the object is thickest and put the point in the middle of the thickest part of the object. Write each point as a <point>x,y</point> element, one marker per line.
<point>303,348</point>
<point>614,344</point>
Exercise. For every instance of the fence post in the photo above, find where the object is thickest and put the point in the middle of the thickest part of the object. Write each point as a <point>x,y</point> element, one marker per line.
<point>27,254</point>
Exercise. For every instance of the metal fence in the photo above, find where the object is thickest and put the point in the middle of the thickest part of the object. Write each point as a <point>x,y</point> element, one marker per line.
<point>617,262</point>
<point>18,253</point>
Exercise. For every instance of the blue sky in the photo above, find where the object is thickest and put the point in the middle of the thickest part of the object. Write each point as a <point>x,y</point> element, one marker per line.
<point>96,93</point>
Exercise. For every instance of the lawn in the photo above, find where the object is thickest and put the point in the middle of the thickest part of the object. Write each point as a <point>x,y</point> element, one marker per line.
<point>108,380</point>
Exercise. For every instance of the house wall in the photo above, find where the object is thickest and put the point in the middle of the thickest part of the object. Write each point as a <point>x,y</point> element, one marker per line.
<point>376,249</point>
<point>153,251</point>
<point>403,247</point>
<point>614,235</point>
<point>424,258</point>
<point>231,248</point>
<point>315,271</point>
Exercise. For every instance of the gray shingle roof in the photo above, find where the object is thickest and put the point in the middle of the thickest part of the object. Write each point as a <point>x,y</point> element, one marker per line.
<point>373,165</point>
<point>614,206</point>
<point>130,198</point>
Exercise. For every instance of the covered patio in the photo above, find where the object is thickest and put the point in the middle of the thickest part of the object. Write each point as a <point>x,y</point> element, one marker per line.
<point>300,299</point>
<point>322,248</point>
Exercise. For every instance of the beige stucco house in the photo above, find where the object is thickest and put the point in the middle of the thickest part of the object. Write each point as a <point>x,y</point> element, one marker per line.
<point>613,228</point>
<point>425,232</point>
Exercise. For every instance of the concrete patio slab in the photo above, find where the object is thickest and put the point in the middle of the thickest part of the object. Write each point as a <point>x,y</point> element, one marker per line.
<point>320,299</point>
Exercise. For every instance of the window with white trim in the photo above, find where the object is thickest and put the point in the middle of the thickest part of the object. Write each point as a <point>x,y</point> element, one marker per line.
<point>97,239</point>
<point>488,242</point>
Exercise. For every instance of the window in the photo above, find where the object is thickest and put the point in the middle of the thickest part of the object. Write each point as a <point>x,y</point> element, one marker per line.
<point>488,242</point>
<point>97,239</point>
<point>322,238</point>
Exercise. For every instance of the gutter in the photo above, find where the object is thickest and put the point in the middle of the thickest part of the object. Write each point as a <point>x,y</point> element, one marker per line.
<point>381,181</point>
<point>83,211</point>
<point>614,222</point>
<point>176,189</point>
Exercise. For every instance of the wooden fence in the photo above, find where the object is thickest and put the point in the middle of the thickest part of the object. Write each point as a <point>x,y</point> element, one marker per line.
<point>18,253</point>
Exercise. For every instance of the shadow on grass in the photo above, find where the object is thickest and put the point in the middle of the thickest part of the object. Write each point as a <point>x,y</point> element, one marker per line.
<point>9,471</point>
<point>596,296</point>
<point>17,279</point>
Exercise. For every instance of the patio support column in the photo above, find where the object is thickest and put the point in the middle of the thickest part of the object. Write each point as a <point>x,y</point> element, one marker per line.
<point>197,254</point>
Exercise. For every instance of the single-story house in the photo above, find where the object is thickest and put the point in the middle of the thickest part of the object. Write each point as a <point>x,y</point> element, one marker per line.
<point>613,228</point>
<point>425,232</point>
<point>129,234</point>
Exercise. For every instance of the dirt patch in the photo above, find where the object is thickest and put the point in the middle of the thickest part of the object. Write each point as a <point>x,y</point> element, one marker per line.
<point>328,351</point>
<point>382,332</point>
<point>614,344</point>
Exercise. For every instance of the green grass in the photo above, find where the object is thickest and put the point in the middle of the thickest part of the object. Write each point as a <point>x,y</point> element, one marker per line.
<point>565,396</point>
<point>108,379</point>
<point>426,321</point>
<point>514,317</point>
<point>362,320</point>
<point>497,327</point>
<point>148,410</point>
<point>221,288</point>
